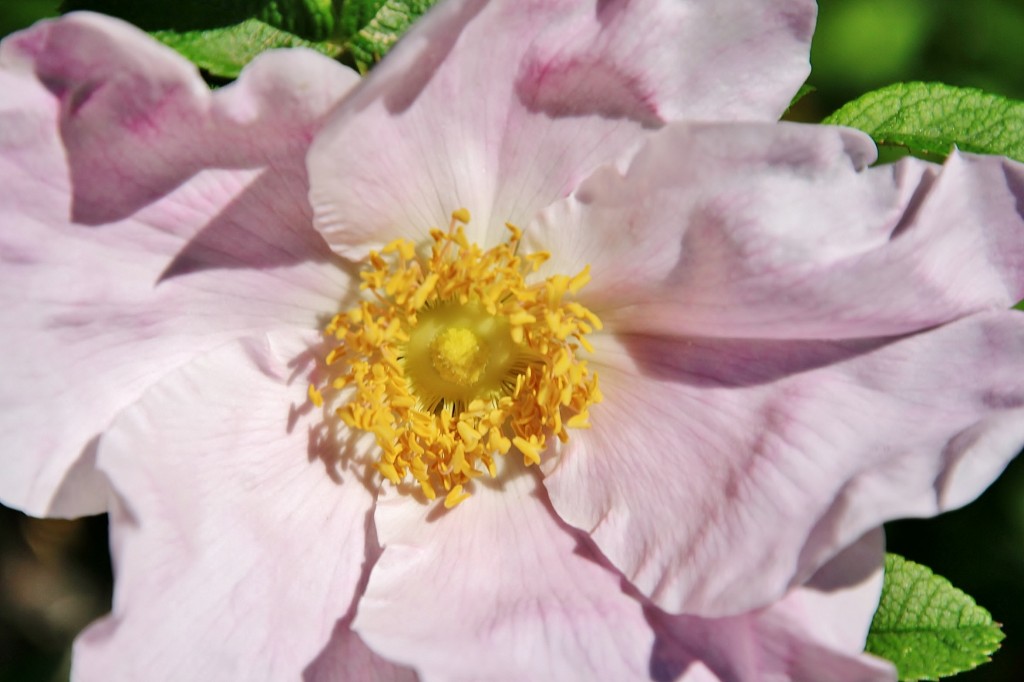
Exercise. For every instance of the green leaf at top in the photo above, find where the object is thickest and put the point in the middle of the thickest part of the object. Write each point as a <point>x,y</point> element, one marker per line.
<point>380,27</point>
<point>313,20</point>
<point>928,628</point>
<point>929,118</point>
<point>357,14</point>
<point>224,51</point>
<point>221,36</point>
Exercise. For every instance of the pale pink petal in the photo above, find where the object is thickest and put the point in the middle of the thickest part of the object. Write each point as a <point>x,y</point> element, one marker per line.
<point>502,107</point>
<point>497,589</point>
<point>237,545</point>
<point>761,231</point>
<point>694,60</point>
<point>773,455</point>
<point>346,658</point>
<point>837,604</point>
<point>815,634</point>
<point>212,239</point>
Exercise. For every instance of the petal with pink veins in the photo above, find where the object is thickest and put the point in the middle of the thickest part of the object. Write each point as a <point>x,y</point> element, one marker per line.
<point>776,454</point>
<point>497,589</point>
<point>815,633</point>
<point>235,551</point>
<point>502,107</point>
<point>211,237</point>
<point>757,231</point>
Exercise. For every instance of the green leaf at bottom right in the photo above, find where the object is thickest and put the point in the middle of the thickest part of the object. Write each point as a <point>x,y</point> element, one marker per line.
<point>928,628</point>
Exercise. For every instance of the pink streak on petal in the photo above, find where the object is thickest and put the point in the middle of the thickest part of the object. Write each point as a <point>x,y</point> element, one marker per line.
<point>504,107</point>
<point>96,314</point>
<point>497,589</point>
<point>692,60</point>
<point>235,552</point>
<point>776,454</point>
<point>137,120</point>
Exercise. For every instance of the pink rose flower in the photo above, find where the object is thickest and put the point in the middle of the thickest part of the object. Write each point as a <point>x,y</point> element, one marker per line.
<point>792,348</point>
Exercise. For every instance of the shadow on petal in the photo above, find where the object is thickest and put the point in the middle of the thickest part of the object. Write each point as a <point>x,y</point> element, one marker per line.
<point>739,362</point>
<point>346,657</point>
<point>252,233</point>
<point>81,487</point>
<point>418,70</point>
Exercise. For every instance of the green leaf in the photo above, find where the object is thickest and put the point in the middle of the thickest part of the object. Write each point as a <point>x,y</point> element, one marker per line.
<point>381,24</point>
<point>177,15</point>
<point>314,20</point>
<point>221,36</point>
<point>929,118</point>
<point>224,51</point>
<point>927,627</point>
<point>357,15</point>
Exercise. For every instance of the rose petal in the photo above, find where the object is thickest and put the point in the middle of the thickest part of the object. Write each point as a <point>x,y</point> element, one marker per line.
<point>503,107</point>
<point>697,61</point>
<point>137,120</point>
<point>496,589</point>
<point>215,241</point>
<point>794,639</point>
<point>235,550</point>
<point>777,454</point>
<point>839,601</point>
<point>763,231</point>
<point>346,658</point>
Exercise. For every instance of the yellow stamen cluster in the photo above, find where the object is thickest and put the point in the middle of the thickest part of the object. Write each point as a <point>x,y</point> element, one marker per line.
<point>450,360</point>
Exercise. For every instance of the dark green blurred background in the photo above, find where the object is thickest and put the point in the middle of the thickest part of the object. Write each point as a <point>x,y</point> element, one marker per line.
<point>55,575</point>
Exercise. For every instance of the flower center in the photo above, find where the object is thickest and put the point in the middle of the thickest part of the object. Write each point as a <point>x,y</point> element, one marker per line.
<point>457,353</point>
<point>452,359</point>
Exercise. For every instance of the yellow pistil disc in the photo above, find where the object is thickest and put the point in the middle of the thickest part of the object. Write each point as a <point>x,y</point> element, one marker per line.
<point>459,356</point>
<point>451,359</point>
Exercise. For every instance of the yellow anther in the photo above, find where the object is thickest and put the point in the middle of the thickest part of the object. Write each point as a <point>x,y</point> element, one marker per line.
<point>469,435</point>
<point>428,490</point>
<point>498,443</point>
<point>406,249</point>
<point>521,318</point>
<point>461,215</point>
<point>454,497</point>
<point>579,421</point>
<point>531,454</point>
<point>389,472</point>
<point>580,280</point>
<point>315,396</point>
<point>537,259</point>
<point>562,363</point>
<point>424,290</point>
